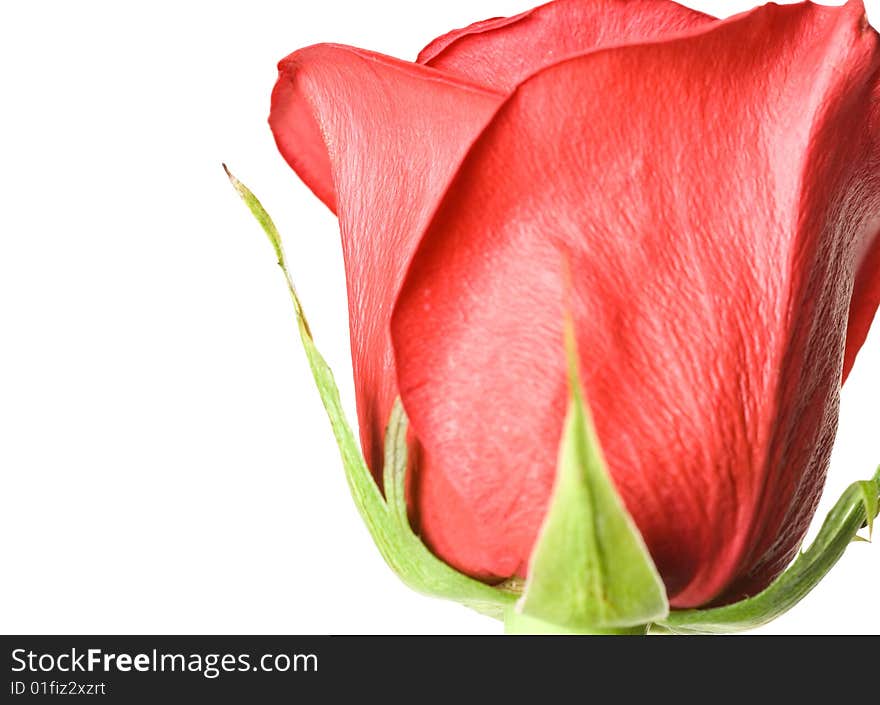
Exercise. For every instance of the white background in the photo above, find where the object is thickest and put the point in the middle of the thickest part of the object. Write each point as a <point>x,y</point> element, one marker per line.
<point>166,463</point>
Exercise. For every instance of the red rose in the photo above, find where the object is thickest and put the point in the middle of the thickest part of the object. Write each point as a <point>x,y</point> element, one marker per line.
<point>712,189</point>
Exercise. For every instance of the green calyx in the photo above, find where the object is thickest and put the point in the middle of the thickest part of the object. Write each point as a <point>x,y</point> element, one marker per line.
<point>589,569</point>
<point>590,572</point>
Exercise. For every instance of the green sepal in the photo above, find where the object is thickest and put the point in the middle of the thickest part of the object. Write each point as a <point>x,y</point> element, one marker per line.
<point>590,570</point>
<point>870,500</point>
<point>386,521</point>
<point>856,508</point>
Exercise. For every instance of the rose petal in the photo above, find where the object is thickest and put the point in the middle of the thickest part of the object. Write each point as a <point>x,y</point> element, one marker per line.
<point>502,52</point>
<point>376,139</point>
<point>708,196</point>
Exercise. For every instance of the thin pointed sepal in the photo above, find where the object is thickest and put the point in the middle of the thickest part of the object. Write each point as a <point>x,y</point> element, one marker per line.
<point>590,571</point>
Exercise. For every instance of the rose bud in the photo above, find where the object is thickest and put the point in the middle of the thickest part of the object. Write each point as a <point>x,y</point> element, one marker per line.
<point>701,196</point>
